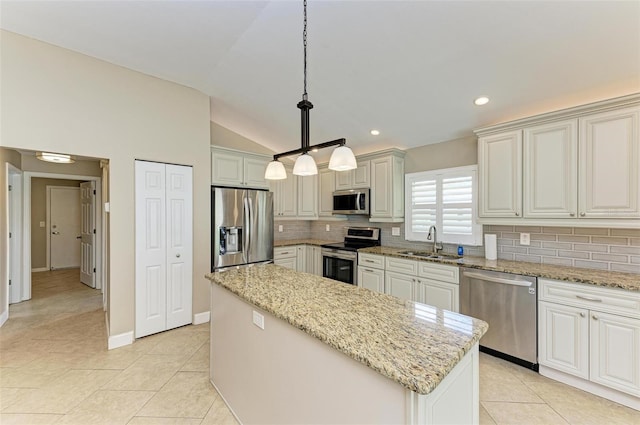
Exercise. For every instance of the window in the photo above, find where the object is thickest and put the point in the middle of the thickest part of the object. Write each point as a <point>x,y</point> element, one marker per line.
<point>445,199</point>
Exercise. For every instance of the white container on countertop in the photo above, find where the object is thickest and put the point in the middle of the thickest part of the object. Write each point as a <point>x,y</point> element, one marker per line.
<point>490,247</point>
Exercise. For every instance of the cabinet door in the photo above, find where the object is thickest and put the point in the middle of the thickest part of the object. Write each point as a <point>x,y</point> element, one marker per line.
<point>381,196</point>
<point>372,279</point>
<point>290,262</point>
<point>440,294</point>
<point>227,168</point>
<point>500,175</point>
<point>344,179</point>
<point>308,196</point>
<point>362,175</point>
<point>609,147</point>
<point>399,285</point>
<point>288,195</point>
<point>550,170</point>
<point>563,341</point>
<point>615,352</point>
<point>317,260</point>
<point>254,169</point>
<point>327,184</point>
<point>301,258</point>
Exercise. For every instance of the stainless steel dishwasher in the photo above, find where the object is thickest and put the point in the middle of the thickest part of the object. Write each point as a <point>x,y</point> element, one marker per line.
<point>507,302</point>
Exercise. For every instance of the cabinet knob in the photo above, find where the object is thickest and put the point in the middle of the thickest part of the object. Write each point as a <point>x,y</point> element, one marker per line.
<point>581,314</point>
<point>572,214</point>
<point>582,214</point>
<point>177,255</point>
<point>594,317</point>
<point>517,214</point>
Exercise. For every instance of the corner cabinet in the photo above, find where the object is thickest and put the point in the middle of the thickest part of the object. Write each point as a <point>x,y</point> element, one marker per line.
<point>238,169</point>
<point>576,167</point>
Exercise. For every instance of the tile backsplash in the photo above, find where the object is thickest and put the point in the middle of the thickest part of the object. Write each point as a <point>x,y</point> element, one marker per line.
<point>594,248</point>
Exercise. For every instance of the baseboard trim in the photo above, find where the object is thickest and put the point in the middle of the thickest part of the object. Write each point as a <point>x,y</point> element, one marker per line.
<point>4,317</point>
<point>39,269</point>
<point>120,340</point>
<point>200,318</point>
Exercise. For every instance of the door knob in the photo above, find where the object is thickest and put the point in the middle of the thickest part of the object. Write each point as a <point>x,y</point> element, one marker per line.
<point>55,233</point>
<point>78,237</point>
<point>177,255</point>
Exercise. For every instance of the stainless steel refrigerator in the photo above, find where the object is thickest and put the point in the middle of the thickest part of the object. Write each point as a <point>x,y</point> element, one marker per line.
<point>241,227</point>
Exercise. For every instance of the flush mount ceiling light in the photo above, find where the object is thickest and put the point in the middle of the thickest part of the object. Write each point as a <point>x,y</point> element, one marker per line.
<point>375,132</point>
<point>482,100</point>
<point>55,157</point>
<point>342,158</point>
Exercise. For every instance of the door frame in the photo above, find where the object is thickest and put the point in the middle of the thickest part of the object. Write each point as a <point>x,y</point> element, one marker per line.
<point>48,218</point>
<point>26,225</point>
<point>14,212</point>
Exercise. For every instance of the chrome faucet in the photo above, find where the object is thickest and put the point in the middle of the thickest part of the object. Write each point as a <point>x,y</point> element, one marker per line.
<point>436,246</point>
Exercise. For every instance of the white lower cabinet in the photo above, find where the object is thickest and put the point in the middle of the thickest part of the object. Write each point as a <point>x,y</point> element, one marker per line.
<point>301,258</point>
<point>399,285</point>
<point>592,333</point>
<point>439,294</point>
<point>286,256</point>
<point>371,278</point>
<point>314,260</point>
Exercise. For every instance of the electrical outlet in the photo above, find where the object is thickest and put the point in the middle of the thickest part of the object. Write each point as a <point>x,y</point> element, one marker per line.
<point>395,231</point>
<point>327,227</point>
<point>525,239</point>
<point>258,319</point>
<point>280,228</point>
<point>42,224</point>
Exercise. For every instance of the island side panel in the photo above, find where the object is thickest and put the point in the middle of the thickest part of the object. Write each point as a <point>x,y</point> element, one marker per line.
<point>282,375</point>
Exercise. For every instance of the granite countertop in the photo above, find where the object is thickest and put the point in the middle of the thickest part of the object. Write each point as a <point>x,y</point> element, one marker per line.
<point>414,344</point>
<point>292,242</point>
<point>628,281</point>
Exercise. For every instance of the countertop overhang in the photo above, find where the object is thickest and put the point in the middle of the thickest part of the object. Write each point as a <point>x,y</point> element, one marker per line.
<point>411,343</point>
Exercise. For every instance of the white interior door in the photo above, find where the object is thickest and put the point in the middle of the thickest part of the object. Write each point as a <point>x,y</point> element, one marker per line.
<point>64,227</point>
<point>14,262</point>
<point>88,233</point>
<point>179,181</point>
<point>151,248</point>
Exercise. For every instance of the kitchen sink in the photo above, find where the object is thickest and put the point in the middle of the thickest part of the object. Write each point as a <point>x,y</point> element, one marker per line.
<point>430,255</point>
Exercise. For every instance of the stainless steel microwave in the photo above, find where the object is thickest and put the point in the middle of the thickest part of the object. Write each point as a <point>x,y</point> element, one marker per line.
<point>352,201</point>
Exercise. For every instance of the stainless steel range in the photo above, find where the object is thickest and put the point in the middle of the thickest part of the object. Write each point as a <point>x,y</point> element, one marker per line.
<point>340,260</point>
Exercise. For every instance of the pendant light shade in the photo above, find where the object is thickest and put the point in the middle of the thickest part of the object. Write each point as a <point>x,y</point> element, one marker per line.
<point>342,159</point>
<point>305,166</point>
<point>275,171</point>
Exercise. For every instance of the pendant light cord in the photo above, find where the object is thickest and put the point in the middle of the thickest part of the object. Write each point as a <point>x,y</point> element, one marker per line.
<point>304,45</point>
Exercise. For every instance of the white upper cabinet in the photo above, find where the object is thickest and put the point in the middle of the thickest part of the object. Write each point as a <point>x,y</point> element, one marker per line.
<point>354,179</point>
<point>238,169</point>
<point>285,196</point>
<point>500,175</point>
<point>387,188</point>
<point>308,196</point>
<point>609,162</point>
<point>575,167</point>
<point>550,164</point>
<point>327,184</point>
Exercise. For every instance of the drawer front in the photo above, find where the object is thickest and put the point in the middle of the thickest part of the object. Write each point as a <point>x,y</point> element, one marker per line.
<point>438,272</point>
<point>616,301</point>
<point>285,252</point>
<point>371,260</point>
<point>401,266</point>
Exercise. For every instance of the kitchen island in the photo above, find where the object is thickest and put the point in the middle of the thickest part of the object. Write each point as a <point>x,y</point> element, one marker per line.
<point>290,347</point>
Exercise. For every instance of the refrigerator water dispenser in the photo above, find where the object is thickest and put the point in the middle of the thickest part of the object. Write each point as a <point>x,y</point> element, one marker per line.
<point>230,240</point>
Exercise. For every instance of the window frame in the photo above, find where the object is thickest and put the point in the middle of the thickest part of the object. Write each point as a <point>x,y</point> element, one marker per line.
<point>475,239</point>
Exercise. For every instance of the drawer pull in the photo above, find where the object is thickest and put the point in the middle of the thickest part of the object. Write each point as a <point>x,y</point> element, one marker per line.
<point>595,300</point>
<point>369,261</point>
<point>284,252</point>
<point>368,270</point>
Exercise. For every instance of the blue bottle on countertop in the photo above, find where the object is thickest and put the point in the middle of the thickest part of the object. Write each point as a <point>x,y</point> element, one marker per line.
<point>460,250</point>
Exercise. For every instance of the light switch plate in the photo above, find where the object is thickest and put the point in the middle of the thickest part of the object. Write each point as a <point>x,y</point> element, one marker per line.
<point>525,239</point>
<point>395,231</point>
<point>280,228</point>
<point>107,207</point>
<point>327,227</point>
<point>258,319</point>
<point>42,224</point>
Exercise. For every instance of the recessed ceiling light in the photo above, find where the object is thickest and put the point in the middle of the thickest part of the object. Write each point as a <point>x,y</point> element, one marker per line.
<point>375,132</point>
<point>55,157</point>
<point>483,100</point>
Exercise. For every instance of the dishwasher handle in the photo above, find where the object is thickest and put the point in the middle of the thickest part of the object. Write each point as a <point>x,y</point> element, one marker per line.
<point>482,276</point>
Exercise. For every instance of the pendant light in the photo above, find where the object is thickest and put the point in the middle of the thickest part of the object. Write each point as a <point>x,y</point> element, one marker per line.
<point>342,158</point>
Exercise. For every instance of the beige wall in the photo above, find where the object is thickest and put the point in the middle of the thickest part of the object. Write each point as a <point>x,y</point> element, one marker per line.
<point>78,168</point>
<point>7,156</point>
<point>38,214</point>
<point>221,136</point>
<point>58,100</point>
<point>453,153</point>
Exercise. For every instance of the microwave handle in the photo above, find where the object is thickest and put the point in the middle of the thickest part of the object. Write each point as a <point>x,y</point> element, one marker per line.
<point>358,208</point>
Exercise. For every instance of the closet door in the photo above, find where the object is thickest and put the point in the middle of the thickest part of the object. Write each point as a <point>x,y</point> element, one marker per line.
<point>179,195</point>
<point>151,248</point>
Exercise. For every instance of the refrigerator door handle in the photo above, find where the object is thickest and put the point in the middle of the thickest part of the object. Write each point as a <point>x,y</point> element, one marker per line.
<point>247,230</point>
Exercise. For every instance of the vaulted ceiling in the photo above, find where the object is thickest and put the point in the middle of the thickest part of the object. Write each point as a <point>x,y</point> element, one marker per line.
<point>410,69</point>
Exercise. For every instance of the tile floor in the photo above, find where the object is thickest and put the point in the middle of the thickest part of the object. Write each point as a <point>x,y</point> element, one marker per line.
<point>55,368</point>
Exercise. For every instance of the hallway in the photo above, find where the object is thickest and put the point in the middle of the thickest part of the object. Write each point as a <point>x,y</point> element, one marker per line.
<point>55,367</point>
